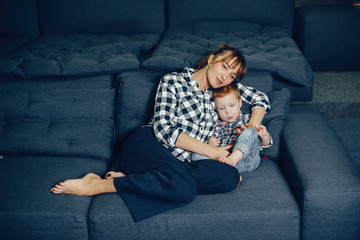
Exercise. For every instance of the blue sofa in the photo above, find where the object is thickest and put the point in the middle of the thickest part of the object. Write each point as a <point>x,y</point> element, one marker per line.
<point>80,76</point>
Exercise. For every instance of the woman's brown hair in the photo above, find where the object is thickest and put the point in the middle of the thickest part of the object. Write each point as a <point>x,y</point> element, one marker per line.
<point>229,53</point>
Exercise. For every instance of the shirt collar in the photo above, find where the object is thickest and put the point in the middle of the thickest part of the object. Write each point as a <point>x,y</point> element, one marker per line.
<point>187,72</point>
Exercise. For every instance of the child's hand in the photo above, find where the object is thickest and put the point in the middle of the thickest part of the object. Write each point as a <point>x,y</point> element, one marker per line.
<point>262,131</point>
<point>213,141</point>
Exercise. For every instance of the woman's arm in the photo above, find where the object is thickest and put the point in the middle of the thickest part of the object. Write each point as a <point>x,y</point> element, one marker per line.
<point>258,101</point>
<point>188,143</point>
<point>257,115</point>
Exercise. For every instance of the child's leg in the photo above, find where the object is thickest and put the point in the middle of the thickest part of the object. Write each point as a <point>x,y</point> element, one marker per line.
<point>245,144</point>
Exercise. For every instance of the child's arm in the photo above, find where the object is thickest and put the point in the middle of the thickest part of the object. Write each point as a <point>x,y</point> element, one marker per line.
<point>265,138</point>
<point>214,142</point>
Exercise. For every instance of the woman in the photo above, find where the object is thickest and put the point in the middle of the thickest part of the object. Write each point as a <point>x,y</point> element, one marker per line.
<point>157,174</point>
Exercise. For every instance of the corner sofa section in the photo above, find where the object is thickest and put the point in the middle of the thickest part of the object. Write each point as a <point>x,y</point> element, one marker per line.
<point>84,77</point>
<point>47,136</point>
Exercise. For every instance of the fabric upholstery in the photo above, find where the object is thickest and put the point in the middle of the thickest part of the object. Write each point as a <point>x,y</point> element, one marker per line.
<point>78,54</point>
<point>269,49</point>
<point>275,120</point>
<point>135,104</point>
<point>102,17</point>
<point>329,36</point>
<point>28,209</point>
<point>348,130</point>
<point>278,13</point>
<point>57,123</point>
<point>324,180</point>
<point>19,19</point>
<point>104,81</point>
<point>261,208</point>
<point>10,44</point>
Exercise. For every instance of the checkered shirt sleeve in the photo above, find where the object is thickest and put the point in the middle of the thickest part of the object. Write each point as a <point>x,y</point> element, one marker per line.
<point>254,97</point>
<point>180,106</point>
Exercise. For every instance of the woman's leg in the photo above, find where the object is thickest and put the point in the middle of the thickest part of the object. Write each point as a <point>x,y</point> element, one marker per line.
<point>155,180</point>
<point>214,177</point>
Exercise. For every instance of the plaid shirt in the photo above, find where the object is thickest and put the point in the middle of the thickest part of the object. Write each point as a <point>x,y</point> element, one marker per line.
<point>180,106</point>
<point>227,133</point>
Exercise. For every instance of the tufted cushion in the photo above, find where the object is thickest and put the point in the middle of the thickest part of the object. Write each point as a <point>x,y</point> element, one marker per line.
<point>57,123</point>
<point>265,48</point>
<point>78,54</point>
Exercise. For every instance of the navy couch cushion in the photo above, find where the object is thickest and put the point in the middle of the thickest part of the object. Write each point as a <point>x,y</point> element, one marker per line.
<point>329,36</point>
<point>78,54</point>
<point>10,44</point>
<point>29,211</point>
<point>19,18</point>
<point>104,81</point>
<point>324,180</point>
<point>102,17</point>
<point>57,123</point>
<point>263,207</point>
<point>278,13</point>
<point>135,104</point>
<point>268,49</point>
<point>348,130</point>
<point>275,120</point>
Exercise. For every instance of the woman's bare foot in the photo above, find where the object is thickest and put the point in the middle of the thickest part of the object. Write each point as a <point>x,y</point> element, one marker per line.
<point>90,184</point>
<point>112,174</point>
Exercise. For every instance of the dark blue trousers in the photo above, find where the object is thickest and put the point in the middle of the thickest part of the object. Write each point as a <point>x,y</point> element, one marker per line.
<point>156,181</point>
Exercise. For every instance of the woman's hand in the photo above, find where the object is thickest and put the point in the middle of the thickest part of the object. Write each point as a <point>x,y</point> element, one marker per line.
<point>218,152</point>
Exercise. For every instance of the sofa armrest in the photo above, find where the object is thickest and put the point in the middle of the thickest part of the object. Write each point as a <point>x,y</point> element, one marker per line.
<point>323,178</point>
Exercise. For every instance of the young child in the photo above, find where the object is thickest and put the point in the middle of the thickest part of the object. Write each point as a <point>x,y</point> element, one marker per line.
<point>234,130</point>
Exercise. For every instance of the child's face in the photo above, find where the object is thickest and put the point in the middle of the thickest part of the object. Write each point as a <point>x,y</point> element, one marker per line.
<point>228,107</point>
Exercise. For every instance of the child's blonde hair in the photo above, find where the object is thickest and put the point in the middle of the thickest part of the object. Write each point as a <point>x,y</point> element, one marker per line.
<point>223,91</point>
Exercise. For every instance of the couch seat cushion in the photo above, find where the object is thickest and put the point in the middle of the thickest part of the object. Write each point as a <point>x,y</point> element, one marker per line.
<point>57,123</point>
<point>78,54</point>
<point>261,208</point>
<point>265,48</point>
<point>29,211</point>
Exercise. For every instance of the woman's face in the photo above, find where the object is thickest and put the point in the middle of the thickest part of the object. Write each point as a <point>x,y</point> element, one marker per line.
<point>220,73</point>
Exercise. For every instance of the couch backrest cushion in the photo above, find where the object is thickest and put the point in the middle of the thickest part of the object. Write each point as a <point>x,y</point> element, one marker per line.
<point>274,120</point>
<point>279,13</point>
<point>136,98</point>
<point>57,123</point>
<point>270,49</point>
<point>78,54</point>
<point>19,18</point>
<point>102,17</point>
